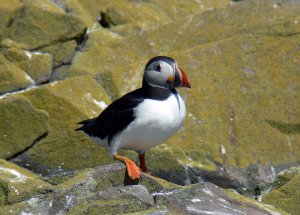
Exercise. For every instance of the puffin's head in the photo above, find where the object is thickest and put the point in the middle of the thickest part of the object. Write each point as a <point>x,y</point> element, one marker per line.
<point>163,72</point>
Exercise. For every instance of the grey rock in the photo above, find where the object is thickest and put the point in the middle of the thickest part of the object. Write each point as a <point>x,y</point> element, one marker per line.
<point>206,198</point>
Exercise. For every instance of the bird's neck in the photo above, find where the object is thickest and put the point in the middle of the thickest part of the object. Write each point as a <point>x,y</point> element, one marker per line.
<point>155,92</point>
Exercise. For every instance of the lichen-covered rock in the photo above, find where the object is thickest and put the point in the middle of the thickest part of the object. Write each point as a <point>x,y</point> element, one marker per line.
<point>21,125</point>
<point>242,106</point>
<point>8,11</point>
<point>108,190</point>
<point>145,16</point>
<point>216,141</point>
<point>12,78</point>
<point>169,163</point>
<point>140,13</point>
<point>101,36</point>
<point>259,18</point>
<point>242,59</point>
<point>110,63</point>
<point>286,192</point>
<point>37,65</point>
<point>41,23</point>
<point>105,189</point>
<point>206,198</point>
<point>229,138</point>
<point>67,102</point>
<point>177,9</point>
<point>117,200</point>
<point>18,184</point>
<point>62,52</point>
<point>76,8</point>
<point>233,103</point>
<point>285,176</point>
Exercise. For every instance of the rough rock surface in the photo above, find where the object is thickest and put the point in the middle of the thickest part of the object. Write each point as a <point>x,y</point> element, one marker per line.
<point>63,61</point>
<point>286,191</point>
<point>67,103</point>
<point>18,184</point>
<point>36,65</point>
<point>108,190</point>
<point>22,125</point>
<point>30,28</point>
<point>12,78</point>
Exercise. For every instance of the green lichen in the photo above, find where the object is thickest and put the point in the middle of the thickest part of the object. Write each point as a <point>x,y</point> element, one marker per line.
<point>106,81</point>
<point>22,125</point>
<point>119,206</point>
<point>18,184</point>
<point>36,19</point>
<point>12,78</point>
<point>62,52</point>
<point>286,195</point>
<point>3,193</point>
<point>248,202</point>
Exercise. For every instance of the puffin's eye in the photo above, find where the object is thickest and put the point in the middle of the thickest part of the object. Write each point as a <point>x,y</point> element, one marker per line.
<point>158,68</point>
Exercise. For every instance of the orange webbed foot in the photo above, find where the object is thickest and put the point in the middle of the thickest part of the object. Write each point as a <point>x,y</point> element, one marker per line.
<point>134,172</point>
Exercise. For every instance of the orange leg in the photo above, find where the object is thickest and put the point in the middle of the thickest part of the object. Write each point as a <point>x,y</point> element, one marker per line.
<point>143,162</point>
<point>133,170</point>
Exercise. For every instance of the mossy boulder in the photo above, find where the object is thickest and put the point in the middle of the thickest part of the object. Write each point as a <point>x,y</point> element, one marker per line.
<point>37,65</point>
<point>207,198</point>
<point>176,9</point>
<point>285,176</point>
<point>41,23</point>
<point>109,64</point>
<point>105,189</point>
<point>143,15</point>
<point>242,106</point>
<point>234,101</point>
<point>62,53</point>
<point>286,194</point>
<point>77,8</point>
<point>101,36</point>
<point>18,184</point>
<point>8,12</point>
<point>21,125</point>
<point>67,102</point>
<point>12,78</point>
<point>116,201</point>
<point>241,126</point>
<point>108,190</point>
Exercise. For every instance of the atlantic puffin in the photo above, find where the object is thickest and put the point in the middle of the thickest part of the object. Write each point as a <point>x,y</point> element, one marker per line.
<point>143,118</point>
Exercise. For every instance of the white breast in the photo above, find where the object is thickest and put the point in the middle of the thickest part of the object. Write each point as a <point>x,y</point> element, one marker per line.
<point>155,122</point>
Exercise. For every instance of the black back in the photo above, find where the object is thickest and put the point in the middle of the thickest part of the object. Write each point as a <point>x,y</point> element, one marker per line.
<point>119,114</point>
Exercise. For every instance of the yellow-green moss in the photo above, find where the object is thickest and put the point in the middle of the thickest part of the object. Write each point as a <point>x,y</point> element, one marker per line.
<point>18,184</point>
<point>286,197</point>
<point>62,52</point>
<point>36,19</point>
<point>67,103</point>
<point>118,206</point>
<point>248,202</point>
<point>21,125</point>
<point>12,78</point>
<point>8,11</point>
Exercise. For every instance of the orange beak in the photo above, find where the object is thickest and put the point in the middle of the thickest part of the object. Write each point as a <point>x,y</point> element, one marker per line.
<point>184,79</point>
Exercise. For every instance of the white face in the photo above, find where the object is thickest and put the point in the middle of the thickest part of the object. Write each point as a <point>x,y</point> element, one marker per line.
<point>160,74</point>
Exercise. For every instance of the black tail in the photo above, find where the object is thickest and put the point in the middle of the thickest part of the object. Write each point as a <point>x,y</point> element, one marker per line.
<point>92,127</point>
<point>84,124</point>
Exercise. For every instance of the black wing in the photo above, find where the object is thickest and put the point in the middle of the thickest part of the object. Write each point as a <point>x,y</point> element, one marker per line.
<point>117,116</point>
